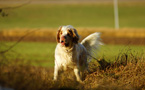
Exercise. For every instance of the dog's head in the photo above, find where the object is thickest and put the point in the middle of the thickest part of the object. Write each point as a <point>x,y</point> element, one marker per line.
<point>67,35</point>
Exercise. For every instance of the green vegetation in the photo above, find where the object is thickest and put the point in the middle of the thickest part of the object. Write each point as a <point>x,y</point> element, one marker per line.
<point>34,53</point>
<point>42,54</point>
<point>111,52</point>
<point>84,15</point>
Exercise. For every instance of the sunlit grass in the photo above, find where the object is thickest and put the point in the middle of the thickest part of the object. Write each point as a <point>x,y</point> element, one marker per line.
<point>42,53</point>
<point>110,52</point>
<point>39,54</point>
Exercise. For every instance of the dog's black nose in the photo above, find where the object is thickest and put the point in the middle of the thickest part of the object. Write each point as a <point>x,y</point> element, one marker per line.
<point>62,41</point>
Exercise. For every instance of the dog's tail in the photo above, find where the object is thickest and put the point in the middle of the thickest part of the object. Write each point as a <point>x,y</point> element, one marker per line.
<point>92,43</point>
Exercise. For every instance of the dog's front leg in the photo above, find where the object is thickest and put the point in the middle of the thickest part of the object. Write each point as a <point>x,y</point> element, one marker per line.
<point>55,73</point>
<point>77,74</point>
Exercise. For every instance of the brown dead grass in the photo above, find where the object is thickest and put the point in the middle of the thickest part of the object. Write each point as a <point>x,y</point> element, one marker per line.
<point>109,36</point>
<point>125,32</point>
<point>126,73</point>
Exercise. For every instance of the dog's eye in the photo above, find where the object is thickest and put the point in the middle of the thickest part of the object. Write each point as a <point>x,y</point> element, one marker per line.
<point>70,31</point>
<point>68,34</point>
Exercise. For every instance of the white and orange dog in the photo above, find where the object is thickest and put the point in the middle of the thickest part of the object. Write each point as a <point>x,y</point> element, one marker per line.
<point>70,53</point>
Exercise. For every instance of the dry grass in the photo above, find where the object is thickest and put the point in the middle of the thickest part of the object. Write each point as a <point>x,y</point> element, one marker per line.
<point>126,73</point>
<point>109,36</point>
<point>44,32</point>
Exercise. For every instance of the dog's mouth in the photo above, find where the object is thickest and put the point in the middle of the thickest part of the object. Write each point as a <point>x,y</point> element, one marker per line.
<point>63,43</point>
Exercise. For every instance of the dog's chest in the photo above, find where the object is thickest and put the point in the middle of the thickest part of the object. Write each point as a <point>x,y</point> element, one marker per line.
<point>69,58</point>
<point>66,58</point>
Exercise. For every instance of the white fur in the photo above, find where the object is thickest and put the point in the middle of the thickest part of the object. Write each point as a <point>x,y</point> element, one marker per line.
<point>92,43</point>
<point>64,29</point>
<point>75,57</point>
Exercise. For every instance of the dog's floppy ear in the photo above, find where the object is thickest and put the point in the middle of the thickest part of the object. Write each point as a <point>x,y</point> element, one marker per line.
<point>75,36</point>
<point>58,34</point>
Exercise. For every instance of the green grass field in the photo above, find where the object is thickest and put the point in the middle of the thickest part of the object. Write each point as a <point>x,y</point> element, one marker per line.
<point>34,53</point>
<point>131,15</point>
<point>42,54</point>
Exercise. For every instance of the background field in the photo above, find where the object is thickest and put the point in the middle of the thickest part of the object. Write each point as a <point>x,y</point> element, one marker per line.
<point>131,15</point>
